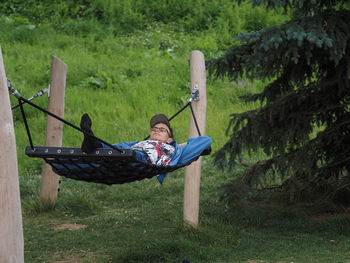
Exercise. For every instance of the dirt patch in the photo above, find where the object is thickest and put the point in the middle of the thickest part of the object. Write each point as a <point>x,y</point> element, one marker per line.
<point>71,259</point>
<point>69,226</point>
<point>84,257</point>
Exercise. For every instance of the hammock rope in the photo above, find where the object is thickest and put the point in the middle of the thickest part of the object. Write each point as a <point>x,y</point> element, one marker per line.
<point>104,165</point>
<point>21,100</point>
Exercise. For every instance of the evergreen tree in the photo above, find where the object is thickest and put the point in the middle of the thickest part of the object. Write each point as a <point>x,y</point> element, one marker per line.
<point>303,124</point>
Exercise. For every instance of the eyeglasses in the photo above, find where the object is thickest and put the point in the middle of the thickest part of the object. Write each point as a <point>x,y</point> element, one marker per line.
<point>160,129</point>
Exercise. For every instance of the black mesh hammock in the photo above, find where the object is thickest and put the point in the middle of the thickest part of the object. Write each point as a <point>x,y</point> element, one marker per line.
<point>104,165</point>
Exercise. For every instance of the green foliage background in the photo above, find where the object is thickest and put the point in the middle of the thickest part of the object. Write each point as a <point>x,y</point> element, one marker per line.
<point>127,60</point>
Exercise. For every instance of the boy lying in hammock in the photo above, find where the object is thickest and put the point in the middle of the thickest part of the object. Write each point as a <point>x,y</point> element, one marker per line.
<point>160,148</point>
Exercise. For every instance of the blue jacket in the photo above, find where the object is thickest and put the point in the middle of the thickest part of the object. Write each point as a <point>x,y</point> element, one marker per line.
<point>183,154</point>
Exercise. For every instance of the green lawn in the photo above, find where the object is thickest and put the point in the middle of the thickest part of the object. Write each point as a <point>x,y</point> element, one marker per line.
<point>142,222</point>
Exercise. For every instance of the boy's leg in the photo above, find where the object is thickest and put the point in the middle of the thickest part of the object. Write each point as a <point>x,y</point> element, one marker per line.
<point>89,144</point>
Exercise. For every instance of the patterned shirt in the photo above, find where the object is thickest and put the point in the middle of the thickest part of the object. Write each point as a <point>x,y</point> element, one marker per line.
<point>157,152</point>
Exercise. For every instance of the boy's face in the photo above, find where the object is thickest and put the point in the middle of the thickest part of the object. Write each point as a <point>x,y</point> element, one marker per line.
<point>160,132</point>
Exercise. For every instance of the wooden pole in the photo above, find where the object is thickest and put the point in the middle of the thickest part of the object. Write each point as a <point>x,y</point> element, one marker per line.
<point>193,171</point>
<point>54,129</point>
<point>11,229</point>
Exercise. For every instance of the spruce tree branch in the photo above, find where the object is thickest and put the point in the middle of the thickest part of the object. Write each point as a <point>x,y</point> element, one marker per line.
<point>314,152</point>
<point>303,124</point>
<point>294,115</point>
<point>309,44</point>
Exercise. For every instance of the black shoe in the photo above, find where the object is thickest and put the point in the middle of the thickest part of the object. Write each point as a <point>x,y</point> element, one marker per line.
<point>89,144</point>
<point>206,151</point>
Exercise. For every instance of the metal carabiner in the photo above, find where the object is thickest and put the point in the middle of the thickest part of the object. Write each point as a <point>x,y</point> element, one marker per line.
<point>195,94</point>
<point>12,90</point>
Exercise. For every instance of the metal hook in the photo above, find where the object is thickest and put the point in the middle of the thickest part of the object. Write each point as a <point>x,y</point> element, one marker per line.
<point>12,90</point>
<point>18,95</point>
<point>195,93</point>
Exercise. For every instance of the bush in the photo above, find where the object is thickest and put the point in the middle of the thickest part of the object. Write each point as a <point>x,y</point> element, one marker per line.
<point>125,16</point>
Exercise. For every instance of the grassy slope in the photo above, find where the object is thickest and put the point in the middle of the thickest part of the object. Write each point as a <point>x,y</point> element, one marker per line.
<point>148,72</point>
<point>142,221</point>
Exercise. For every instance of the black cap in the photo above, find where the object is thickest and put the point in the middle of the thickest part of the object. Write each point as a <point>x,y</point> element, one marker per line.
<point>161,118</point>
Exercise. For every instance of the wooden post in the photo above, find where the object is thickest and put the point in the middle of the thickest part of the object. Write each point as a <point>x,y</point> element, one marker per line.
<point>11,230</point>
<point>54,128</point>
<point>193,171</point>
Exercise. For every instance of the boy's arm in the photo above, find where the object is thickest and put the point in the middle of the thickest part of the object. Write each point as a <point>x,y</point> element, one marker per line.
<point>194,148</point>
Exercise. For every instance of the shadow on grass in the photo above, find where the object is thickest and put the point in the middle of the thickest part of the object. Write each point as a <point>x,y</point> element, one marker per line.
<point>297,218</point>
<point>176,251</point>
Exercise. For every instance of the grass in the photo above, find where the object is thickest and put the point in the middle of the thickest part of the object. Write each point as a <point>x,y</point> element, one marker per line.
<point>122,80</point>
<point>142,222</point>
